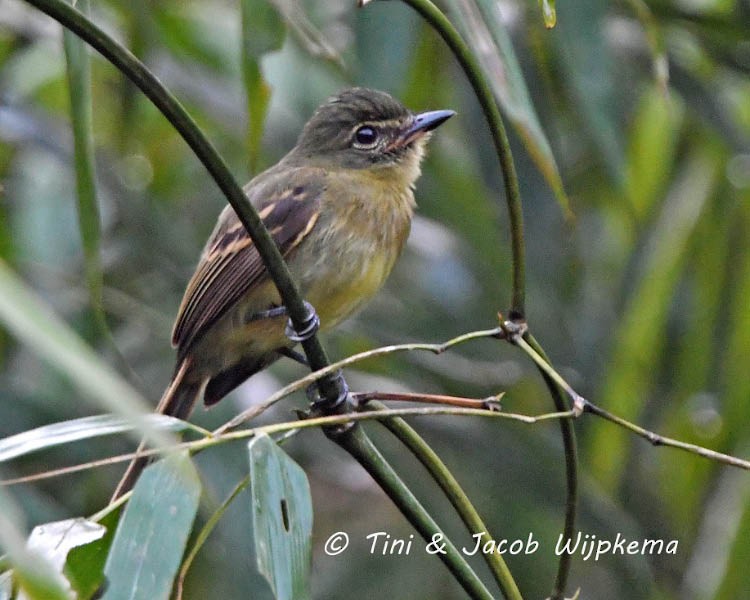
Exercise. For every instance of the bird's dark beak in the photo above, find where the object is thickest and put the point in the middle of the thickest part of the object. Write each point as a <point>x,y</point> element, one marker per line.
<point>422,123</point>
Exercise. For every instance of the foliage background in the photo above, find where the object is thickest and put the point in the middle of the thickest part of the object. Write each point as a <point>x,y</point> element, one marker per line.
<point>641,301</point>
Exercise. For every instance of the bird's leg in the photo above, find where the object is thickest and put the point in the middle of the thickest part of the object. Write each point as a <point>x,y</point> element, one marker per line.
<point>294,355</point>
<point>271,313</point>
<point>311,324</point>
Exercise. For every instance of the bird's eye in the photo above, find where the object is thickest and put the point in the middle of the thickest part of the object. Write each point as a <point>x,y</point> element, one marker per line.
<point>365,136</point>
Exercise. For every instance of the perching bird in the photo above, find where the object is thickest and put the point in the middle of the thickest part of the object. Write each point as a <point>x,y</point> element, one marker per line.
<point>339,206</point>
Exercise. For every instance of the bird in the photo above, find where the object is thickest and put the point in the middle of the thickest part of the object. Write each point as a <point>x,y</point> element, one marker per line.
<point>339,207</point>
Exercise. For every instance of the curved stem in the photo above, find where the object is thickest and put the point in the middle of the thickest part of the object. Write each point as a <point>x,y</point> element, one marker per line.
<point>455,494</point>
<point>356,442</point>
<point>353,439</point>
<point>470,65</point>
<point>571,472</point>
<point>170,107</point>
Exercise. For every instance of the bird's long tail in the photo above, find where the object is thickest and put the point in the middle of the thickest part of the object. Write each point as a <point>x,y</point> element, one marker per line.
<point>178,401</point>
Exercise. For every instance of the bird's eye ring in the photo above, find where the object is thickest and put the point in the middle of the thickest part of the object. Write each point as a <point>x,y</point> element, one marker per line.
<point>365,136</point>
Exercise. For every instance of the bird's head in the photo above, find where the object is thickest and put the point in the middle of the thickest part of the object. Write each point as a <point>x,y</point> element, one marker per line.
<point>361,128</point>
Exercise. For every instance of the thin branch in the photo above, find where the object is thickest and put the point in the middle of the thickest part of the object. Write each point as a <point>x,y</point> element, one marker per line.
<point>659,440</point>
<point>491,403</point>
<point>254,411</point>
<point>586,406</point>
<point>216,439</point>
<point>514,333</point>
<point>326,421</point>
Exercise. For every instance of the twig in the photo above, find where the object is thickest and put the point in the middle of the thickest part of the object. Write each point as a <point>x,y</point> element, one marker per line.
<point>303,382</point>
<point>327,421</point>
<point>514,333</point>
<point>659,440</point>
<point>491,403</point>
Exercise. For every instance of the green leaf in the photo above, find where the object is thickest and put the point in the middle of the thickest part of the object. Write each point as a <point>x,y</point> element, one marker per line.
<point>640,337</point>
<point>651,152</point>
<point>32,571</point>
<point>736,580</point>
<point>282,519</point>
<point>735,382</point>
<point>33,322</point>
<point>79,91</point>
<point>55,541</point>
<point>84,566</point>
<point>153,531</point>
<point>75,430</point>
<point>262,32</point>
<point>589,73</point>
<point>486,35</point>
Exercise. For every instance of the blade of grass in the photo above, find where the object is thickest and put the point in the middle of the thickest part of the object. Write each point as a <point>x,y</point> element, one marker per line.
<point>35,324</point>
<point>79,92</point>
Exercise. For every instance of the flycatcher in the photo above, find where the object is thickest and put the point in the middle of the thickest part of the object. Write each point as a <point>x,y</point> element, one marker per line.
<point>339,207</point>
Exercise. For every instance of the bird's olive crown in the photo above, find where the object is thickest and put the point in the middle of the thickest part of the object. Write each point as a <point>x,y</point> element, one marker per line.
<point>356,128</point>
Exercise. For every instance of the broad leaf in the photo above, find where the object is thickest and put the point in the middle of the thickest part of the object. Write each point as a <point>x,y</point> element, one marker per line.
<point>153,531</point>
<point>282,519</point>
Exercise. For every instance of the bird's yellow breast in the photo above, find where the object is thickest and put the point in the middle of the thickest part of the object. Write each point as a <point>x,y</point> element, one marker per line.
<point>363,226</point>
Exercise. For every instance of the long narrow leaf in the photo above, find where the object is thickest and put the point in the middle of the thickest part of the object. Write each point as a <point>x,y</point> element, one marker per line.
<point>486,34</point>
<point>49,436</point>
<point>588,69</point>
<point>262,32</point>
<point>33,322</point>
<point>152,533</point>
<point>79,92</point>
<point>640,337</point>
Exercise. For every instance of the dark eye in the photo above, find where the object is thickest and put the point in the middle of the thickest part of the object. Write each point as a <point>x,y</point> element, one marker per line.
<point>365,136</point>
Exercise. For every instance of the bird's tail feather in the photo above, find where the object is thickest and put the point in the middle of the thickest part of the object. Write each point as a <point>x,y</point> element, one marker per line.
<point>178,401</point>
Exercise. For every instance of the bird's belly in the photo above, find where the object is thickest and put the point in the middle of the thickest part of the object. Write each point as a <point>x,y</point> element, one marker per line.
<point>348,289</point>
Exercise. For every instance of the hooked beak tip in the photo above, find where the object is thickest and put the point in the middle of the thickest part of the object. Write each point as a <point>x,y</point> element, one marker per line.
<point>422,124</point>
<point>427,121</point>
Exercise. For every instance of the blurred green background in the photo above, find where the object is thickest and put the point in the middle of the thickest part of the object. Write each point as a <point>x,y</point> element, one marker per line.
<point>641,300</point>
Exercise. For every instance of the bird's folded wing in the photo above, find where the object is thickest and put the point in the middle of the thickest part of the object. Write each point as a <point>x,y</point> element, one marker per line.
<point>230,265</point>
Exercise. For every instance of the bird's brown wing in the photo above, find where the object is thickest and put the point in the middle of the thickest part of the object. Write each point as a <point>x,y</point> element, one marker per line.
<point>230,264</point>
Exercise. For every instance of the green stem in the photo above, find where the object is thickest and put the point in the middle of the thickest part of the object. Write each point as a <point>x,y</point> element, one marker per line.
<point>205,532</point>
<point>470,65</point>
<point>571,472</point>
<point>355,441</point>
<point>455,494</point>
<point>170,107</point>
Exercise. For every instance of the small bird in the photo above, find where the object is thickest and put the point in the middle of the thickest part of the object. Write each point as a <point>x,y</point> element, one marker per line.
<point>339,206</point>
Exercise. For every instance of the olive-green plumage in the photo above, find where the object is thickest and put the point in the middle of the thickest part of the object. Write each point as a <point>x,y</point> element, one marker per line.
<point>339,206</point>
